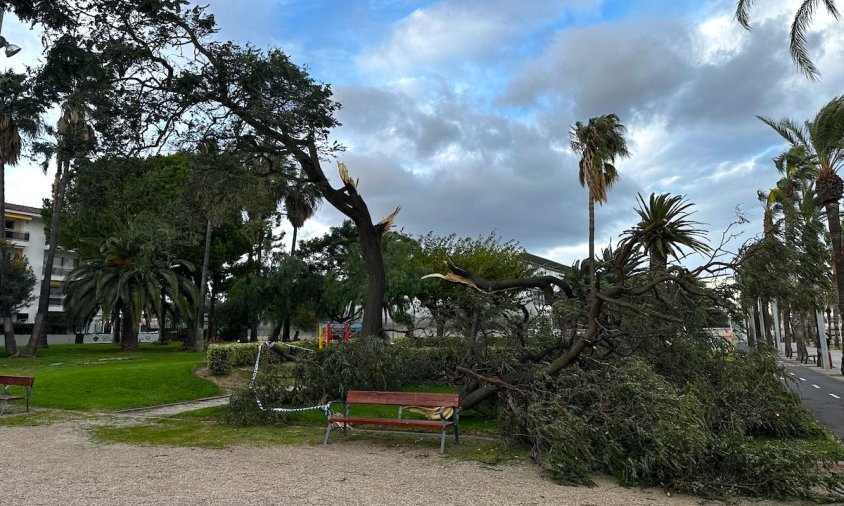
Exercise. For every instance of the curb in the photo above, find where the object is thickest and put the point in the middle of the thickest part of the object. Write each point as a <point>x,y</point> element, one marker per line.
<point>831,373</point>
<point>150,408</point>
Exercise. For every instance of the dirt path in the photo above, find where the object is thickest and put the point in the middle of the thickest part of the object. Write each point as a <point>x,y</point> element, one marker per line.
<point>59,464</point>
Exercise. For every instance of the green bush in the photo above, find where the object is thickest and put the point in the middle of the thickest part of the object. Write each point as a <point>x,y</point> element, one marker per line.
<point>222,357</point>
<point>362,364</point>
<point>218,358</point>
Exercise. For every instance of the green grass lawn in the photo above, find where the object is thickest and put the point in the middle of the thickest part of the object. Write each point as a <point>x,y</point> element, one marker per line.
<point>99,377</point>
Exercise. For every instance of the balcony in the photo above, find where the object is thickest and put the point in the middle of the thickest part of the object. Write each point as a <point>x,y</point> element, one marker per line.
<point>56,301</point>
<point>17,235</point>
<point>61,271</point>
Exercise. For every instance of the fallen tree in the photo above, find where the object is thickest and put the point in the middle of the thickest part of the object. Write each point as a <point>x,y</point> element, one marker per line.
<point>622,284</point>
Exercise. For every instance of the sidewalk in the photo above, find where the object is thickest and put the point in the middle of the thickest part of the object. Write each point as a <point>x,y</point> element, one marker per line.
<point>835,372</point>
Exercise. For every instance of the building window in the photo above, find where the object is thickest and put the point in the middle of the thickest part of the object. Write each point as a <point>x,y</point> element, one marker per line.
<point>22,317</point>
<point>56,296</point>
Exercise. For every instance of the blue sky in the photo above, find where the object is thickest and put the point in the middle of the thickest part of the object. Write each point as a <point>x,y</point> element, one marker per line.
<point>459,110</point>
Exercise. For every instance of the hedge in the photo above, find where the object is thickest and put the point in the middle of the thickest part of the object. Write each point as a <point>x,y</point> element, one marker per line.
<point>222,357</point>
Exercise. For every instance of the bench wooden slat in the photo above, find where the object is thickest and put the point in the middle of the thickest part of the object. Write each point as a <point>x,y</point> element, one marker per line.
<point>392,421</point>
<point>14,381</point>
<point>23,381</point>
<point>404,399</point>
<point>400,399</point>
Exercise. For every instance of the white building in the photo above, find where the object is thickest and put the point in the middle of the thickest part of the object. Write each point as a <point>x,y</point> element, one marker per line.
<point>24,229</point>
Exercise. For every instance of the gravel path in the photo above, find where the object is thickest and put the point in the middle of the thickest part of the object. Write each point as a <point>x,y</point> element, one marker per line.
<point>58,464</point>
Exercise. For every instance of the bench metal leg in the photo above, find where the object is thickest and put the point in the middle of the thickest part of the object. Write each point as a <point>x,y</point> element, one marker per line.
<point>457,434</point>
<point>327,433</point>
<point>3,407</point>
<point>442,442</point>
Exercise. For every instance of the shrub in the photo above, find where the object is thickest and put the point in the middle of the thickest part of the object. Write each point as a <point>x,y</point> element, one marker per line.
<point>218,358</point>
<point>362,364</point>
<point>222,357</point>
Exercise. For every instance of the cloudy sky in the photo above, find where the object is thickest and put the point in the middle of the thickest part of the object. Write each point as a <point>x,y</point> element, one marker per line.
<point>459,111</point>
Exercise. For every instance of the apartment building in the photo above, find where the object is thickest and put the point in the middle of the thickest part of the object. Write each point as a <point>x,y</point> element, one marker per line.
<point>24,230</point>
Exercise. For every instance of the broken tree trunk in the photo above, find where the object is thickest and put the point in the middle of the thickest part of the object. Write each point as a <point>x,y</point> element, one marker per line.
<point>463,276</point>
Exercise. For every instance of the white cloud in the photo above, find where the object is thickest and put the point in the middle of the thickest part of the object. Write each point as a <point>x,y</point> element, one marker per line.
<point>455,31</point>
<point>27,185</point>
<point>719,39</point>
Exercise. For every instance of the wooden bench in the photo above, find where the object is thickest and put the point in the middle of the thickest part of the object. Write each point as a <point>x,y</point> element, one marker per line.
<point>401,399</point>
<point>16,381</point>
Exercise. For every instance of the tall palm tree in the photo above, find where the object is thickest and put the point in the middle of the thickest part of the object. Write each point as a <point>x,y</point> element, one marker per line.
<point>75,138</point>
<point>797,171</point>
<point>822,140</point>
<point>799,25</point>
<point>599,143</point>
<point>813,262</point>
<point>666,227</point>
<point>10,149</point>
<point>20,115</point>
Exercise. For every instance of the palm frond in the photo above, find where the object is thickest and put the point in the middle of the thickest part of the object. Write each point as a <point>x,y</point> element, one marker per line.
<point>798,46</point>
<point>743,13</point>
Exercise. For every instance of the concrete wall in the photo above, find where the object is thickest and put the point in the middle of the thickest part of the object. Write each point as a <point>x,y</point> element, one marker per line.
<point>22,339</point>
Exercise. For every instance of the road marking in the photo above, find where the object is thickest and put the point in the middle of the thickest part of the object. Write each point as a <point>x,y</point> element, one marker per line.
<point>802,379</point>
<point>833,395</point>
<point>791,373</point>
<point>815,386</point>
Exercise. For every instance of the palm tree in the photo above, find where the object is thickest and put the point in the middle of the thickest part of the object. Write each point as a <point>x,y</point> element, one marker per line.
<point>599,142</point>
<point>822,141</point>
<point>10,149</point>
<point>797,171</point>
<point>813,285</point>
<point>301,202</point>
<point>75,139</point>
<point>19,114</point>
<point>801,22</point>
<point>123,277</point>
<point>665,227</point>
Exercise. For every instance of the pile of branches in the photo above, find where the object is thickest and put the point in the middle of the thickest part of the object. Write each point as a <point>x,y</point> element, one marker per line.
<point>629,382</point>
<point>598,318</point>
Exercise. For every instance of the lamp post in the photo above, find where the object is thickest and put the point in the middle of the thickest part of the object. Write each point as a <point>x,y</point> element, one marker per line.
<point>9,49</point>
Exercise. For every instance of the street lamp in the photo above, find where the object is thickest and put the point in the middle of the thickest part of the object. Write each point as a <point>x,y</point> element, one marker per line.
<point>9,49</point>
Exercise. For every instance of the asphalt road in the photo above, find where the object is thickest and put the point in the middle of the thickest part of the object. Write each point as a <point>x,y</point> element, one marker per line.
<point>821,395</point>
